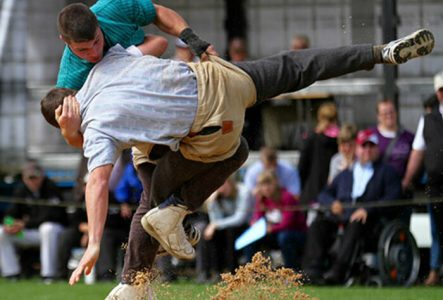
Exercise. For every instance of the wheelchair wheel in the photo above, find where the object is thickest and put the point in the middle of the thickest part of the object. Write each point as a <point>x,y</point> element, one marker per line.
<point>398,255</point>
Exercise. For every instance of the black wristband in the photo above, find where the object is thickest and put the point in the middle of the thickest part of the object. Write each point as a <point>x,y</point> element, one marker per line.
<point>196,45</point>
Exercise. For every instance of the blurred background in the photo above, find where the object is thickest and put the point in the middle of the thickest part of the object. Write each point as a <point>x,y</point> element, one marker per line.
<point>30,51</point>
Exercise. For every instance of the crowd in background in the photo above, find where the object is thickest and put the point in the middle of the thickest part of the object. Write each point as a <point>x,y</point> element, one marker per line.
<point>384,158</point>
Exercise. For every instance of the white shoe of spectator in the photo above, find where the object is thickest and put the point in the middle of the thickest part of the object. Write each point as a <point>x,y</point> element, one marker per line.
<point>166,226</point>
<point>416,44</point>
<point>131,292</point>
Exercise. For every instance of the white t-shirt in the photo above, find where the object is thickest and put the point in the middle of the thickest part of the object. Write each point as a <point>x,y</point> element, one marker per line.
<point>131,99</point>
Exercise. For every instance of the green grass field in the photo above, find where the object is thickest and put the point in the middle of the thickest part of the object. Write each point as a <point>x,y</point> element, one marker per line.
<point>35,290</point>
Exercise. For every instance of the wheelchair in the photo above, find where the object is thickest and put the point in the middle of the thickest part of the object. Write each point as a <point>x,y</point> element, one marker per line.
<point>396,260</point>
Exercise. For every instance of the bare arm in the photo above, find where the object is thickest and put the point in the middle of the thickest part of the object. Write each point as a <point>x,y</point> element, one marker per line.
<point>169,21</point>
<point>414,163</point>
<point>97,192</point>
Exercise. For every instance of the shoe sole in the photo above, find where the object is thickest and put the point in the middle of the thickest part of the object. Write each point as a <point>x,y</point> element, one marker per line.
<point>419,43</point>
<point>152,232</point>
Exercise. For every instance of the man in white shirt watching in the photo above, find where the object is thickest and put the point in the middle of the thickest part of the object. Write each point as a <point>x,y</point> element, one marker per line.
<point>428,147</point>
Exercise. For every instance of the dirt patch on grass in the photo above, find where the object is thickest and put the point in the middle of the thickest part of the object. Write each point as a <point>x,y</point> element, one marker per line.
<point>258,280</point>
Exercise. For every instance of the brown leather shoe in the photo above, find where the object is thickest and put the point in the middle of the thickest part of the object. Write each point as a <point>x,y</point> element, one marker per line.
<point>192,235</point>
<point>166,226</point>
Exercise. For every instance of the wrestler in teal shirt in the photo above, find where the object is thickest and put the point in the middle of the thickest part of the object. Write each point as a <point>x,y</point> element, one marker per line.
<point>120,22</point>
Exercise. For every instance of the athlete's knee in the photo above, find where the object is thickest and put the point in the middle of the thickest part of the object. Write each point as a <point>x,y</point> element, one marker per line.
<point>3,234</point>
<point>47,229</point>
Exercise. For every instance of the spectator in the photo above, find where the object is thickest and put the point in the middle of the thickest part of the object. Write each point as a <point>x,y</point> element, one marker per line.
<point>345,157</point>
<point>429,104</point>
<point>299,42</point>
<point>203,250</point>
<point>369,180</point>
<point>318,149</point>
<point>395,142</point>
<point>237,50</point>
<point>287,175</point>
<point>433,277</point>
<point>253,128</point>
<point>428,147</point>
<point>32,225</point>
<point>129,188</point>
<point>229,213</point>
<point>119,169</point>
<point>75,234</point>
<point>286,226</point>
<point>115,236</point>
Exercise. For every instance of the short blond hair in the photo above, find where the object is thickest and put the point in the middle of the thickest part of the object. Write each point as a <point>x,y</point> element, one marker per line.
<point>348,133</point>
<point>326,115</point>
<point>267,176</point>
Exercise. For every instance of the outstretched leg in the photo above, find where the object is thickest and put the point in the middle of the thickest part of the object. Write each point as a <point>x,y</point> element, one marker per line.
<point>290,71</point>
<point>293,70</point>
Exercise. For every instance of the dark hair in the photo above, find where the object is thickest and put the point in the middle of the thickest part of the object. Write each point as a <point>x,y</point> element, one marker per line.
<point>77,23</point>
<point>431,102</point>
<point>348,133</point>
<point>52,100</point>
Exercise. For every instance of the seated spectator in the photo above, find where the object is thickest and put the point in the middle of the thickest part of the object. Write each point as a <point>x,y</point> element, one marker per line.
<point>75,234</point>
<point>369,180</point>
<point>395,142</point>
<point>287,175</point>
<point>345,157</point>
<point>229,213</point>
<point>115,236</point>
<point>129,188</point>
<point>32,225</point>
<point>203,250</point>
<point>316,153</point>
<point>286,227</point>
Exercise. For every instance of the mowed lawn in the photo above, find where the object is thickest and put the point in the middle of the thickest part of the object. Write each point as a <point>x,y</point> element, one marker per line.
<point>35,290</point>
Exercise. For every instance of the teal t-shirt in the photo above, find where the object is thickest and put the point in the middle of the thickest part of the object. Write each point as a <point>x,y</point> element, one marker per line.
<point>120,22</point>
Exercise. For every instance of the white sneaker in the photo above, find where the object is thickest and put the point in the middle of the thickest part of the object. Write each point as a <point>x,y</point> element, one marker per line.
<point>416,44</point>
<point>131,292</point>
<point>166,226</point>
<point>193,236</point>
